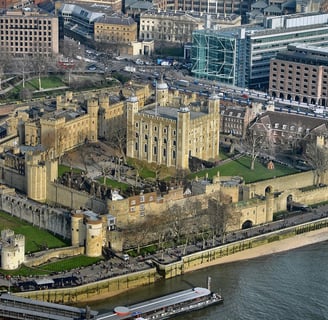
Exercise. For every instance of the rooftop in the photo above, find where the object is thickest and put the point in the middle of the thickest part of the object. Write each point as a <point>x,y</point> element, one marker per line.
<point>171,113</point>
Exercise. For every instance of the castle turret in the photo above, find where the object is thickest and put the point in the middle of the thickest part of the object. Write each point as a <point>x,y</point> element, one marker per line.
<point>94,238</point>
<point>183,126</point>
<point>12,250</point>
<point>77,229</point>
<point>93,109</point>
<point>269,198</point>
<point>131,109</point>
<point>214,104</point>
<point>214,131</point>
<point>162,93</point>
<point>104,101</point>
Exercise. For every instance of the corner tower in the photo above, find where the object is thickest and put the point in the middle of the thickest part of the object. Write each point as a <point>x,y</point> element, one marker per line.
<point>183,128</point>
<point>132,107</point>
<point>93,109</point>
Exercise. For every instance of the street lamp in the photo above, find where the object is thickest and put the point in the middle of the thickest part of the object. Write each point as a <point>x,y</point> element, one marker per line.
<point>8,278</point>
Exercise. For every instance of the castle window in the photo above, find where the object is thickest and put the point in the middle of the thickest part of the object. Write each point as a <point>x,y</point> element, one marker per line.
<point>146,148</point>
<point>164,152</point>
<point>174,143</point>
<point>132,209</point>
<point>137,124</point>
<point>133,202</point>
<point>155,139</point>
<point>142,198</point>
<point>155,128</point>
<point>155,150</point>
<point>146,137</point>
<point>165,141</point>
<point>136,145</point>
<point>173,154</point>
<point>164,130</point>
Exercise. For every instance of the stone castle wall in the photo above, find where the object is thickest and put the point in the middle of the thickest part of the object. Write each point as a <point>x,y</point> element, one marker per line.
<point>12,178</point>
<point>60,195</point>
<point>299,180</point>
<point>55,220</point>
<point>45,256</point>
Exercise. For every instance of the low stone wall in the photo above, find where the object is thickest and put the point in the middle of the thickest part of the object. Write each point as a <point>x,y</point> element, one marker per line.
<point>45,256</point>
<point>96,290</point>
<point>191,261</point>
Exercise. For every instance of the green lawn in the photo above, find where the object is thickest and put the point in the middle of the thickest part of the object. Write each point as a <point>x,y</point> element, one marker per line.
<point>58,266</point>
<point>241,167</point>
<point>63,169</point>
<point>35,239</point>
<point>114,184</point>
<point>46,82</point>
<point>146,173</point>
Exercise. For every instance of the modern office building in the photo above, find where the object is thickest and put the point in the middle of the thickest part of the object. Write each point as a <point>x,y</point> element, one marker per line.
<point>239,7</point>
<point>241,56</point>
<point>78,21</point>
<point>300,74</point>
<point>28,32</point>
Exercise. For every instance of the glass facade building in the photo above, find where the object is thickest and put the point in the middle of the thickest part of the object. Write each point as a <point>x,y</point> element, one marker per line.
<point>220,56</point>
<point>241,56</point>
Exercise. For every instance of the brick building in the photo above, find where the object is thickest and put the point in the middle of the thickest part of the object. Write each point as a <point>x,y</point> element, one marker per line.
<point>29,33</point>
<point>300,74</point>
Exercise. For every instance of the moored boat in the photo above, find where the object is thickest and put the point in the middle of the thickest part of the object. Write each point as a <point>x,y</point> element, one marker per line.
<point>167,306</point>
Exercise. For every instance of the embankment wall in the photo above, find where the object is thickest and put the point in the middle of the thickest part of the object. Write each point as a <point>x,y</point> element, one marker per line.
<point>196,260</point>
<point>94,290</point>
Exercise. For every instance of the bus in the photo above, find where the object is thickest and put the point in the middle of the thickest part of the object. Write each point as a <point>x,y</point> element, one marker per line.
<point>182,83</point>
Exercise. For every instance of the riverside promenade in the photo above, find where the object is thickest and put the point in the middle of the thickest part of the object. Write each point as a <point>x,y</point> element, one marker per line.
<point>282,235</point>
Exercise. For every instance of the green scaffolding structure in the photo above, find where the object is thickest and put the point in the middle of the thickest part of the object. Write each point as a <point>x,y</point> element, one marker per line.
<point>219,56</point>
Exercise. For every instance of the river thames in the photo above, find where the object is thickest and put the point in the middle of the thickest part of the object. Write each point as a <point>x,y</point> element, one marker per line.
<point>285,286</point>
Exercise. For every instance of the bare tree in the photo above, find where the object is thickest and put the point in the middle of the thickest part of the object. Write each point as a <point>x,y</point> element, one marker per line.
<point>40,65</point>
<point>5,65</point>
<point>220,216</point>
<point>23,66</point>
<point>117,135</point>
<point>138,234</point>
<point>255,142</point>
<point>317,157</point>
<point>177,217</point>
